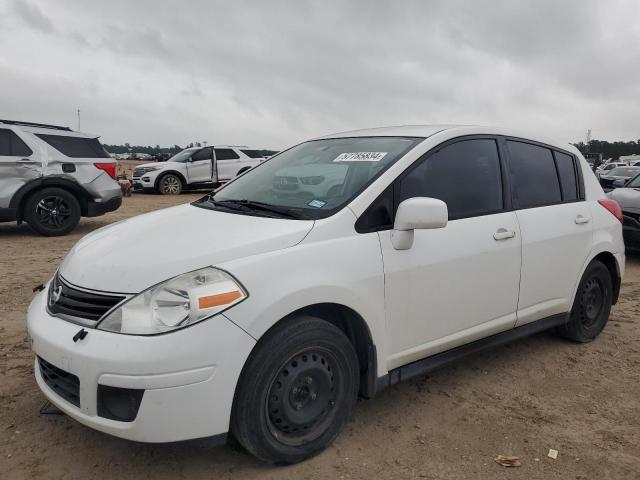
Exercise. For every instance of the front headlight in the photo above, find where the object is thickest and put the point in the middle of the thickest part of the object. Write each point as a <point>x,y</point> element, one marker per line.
<point>176,303</point>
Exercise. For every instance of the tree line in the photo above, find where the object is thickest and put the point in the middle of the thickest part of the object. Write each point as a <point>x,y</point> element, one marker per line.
<point>610,149</point>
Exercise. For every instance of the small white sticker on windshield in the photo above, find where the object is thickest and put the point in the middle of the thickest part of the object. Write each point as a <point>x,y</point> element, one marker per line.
<point>360,157</point>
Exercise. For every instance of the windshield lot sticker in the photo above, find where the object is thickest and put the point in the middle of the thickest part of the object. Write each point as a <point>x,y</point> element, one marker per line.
<point>317,203</point>
<point>360,157</point>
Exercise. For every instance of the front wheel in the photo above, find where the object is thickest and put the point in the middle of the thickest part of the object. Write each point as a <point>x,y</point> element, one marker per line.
<point>592,305</point>
<point>296,392</point>
<point>52,212</point>
<point>170,185</point>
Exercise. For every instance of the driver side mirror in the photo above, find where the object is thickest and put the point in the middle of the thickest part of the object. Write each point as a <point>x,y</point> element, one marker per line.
<point>417,213</point>
<point>619,183</point>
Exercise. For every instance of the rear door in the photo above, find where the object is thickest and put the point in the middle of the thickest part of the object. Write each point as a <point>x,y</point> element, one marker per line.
<point>18,165</point>
<point>555,223</point>
<point>228,162</point>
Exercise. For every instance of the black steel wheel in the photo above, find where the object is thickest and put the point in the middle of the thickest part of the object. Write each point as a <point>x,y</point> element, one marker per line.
<point>296,391</point>
<point>52,212</point>
<point>592,305</point>
<point>170,185</point>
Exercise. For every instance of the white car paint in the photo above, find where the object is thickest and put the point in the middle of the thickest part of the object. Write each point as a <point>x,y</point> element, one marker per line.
<point>470,279</point>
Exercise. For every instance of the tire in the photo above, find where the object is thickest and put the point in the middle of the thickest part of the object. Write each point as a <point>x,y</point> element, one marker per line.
<point>296,392</point>
<point>52,212</point>
<point>170,184</point>
<point>592,305</point>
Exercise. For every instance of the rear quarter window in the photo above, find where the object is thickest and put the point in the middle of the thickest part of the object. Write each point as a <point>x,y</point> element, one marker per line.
<point>75,147</point>
<point>568,178</point>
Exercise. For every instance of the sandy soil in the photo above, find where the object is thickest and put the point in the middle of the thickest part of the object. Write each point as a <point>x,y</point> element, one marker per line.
<point>521,399</point>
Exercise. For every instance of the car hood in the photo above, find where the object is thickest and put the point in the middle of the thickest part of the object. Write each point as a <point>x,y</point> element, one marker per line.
<point>628,198</point>
<point>134,254</point>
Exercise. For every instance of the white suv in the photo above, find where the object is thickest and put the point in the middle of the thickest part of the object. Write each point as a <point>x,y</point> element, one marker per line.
<point>272,309</point>
<point>196,167</point>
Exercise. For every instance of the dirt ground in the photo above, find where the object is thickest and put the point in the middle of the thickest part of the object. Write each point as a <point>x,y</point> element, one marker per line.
<point>521,399</point>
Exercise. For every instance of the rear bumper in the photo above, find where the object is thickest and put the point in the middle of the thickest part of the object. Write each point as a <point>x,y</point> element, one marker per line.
<point>95,209</point>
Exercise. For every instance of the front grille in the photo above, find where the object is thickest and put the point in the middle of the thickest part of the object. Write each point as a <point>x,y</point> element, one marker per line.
<point>631,219</point>
<point>74,304</point>
<point>63,383</point>
<point>606,183</point>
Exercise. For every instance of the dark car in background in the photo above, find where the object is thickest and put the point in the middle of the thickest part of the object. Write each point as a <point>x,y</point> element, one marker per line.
<point>617,177</point>
<point>628,197</point>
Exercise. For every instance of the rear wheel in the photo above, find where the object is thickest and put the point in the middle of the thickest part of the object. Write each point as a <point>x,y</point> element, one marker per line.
<point>52,212</point>
<point>592,305</point>
<point>296,392</point>
<point>170,185</point>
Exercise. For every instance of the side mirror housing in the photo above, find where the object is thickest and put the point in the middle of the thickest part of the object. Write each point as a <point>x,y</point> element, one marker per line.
<point>619,183</point>
<point>417,213</point>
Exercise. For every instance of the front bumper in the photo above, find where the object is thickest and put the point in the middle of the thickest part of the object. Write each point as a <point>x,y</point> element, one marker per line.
<point>188,376</point>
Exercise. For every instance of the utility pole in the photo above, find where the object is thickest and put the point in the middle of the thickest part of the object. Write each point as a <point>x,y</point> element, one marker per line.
<point>588,139</point>
<point>78,119</point>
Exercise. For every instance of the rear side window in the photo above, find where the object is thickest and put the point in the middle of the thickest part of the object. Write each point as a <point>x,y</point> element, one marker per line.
<point>11,145</point>
<point>465,175</point>
<point>568,178</point>
<point>252,153</point>
<point>534,175</point>
<point>75,147</point>
<point>226,154</point>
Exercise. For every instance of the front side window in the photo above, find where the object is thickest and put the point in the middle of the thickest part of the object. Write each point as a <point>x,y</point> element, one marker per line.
<point>314,179</point>
<point>184,155</point>
<point>75,147</point>
<point>226,154</point>
<point>11,145</point>
<point>533,171</point>
<point>465,175</point>
<point>204,154</point>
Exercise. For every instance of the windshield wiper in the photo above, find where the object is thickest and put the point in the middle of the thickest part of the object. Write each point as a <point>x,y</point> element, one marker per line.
<point>253,205</point>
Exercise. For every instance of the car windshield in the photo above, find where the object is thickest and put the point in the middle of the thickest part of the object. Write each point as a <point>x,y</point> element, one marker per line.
<point>184,155</point>
<point>314,179</point>
<point>624,172</point>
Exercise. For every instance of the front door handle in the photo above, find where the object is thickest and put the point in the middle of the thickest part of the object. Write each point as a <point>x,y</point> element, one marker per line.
<point>504,234</point>
<point>581,219</point>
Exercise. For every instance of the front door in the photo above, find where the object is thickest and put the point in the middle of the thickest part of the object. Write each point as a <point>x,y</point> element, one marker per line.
<point>459,283</point>
<point>18,165</point>
<point>200,168</point>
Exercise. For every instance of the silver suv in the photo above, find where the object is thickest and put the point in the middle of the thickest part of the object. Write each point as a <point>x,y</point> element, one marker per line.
<point>50,176</point>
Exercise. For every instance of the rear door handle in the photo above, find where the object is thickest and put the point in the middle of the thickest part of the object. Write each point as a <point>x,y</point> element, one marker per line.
<point>504,234</point>
<point>580,219</point>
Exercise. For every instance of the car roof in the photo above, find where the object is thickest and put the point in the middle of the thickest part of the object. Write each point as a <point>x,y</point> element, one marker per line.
<point>426,131</point>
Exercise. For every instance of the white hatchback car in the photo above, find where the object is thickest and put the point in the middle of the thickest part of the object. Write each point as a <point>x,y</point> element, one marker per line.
<point>270,309</point>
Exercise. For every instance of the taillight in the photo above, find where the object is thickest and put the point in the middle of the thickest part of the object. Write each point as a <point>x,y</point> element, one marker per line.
<point>110,168</point>
<point>613,207</point>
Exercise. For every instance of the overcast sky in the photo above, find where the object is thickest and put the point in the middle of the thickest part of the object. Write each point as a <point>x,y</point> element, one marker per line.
<point>270,74</point>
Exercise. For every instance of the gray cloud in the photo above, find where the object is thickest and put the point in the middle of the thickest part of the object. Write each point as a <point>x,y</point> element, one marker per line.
<point>274,73</point>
